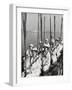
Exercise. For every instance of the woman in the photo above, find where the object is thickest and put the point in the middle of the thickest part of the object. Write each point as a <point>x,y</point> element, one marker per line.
<point>35,64</point>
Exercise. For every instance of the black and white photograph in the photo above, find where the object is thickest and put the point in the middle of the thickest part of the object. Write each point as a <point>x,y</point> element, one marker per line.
<point>41,44</point>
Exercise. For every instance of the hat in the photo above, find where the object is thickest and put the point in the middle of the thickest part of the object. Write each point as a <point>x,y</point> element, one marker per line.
<point>35,49</point>
<point>42,49</point>
<point>31,45</point>
<point>57,39</point>
<point>52,40</point>
<point>46,45</point>
<point>62,41</point>
<point>40,42</point>
<point>46,40</point>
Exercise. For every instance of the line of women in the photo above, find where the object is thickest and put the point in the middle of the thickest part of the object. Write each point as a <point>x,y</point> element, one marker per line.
<point>44,60</point>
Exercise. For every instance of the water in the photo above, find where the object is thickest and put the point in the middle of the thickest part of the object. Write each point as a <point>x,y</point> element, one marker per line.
<point>32,38</point>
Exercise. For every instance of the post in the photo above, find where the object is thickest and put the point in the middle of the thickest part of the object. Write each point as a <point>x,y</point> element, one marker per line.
<point>54,26</point>
<point>61,33</point>
<point>24,29</point>
<point>50,31</point>
<point>44,27</point>
<point>41,25</point>
<point>38,32</point>
<point>41,40</point>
